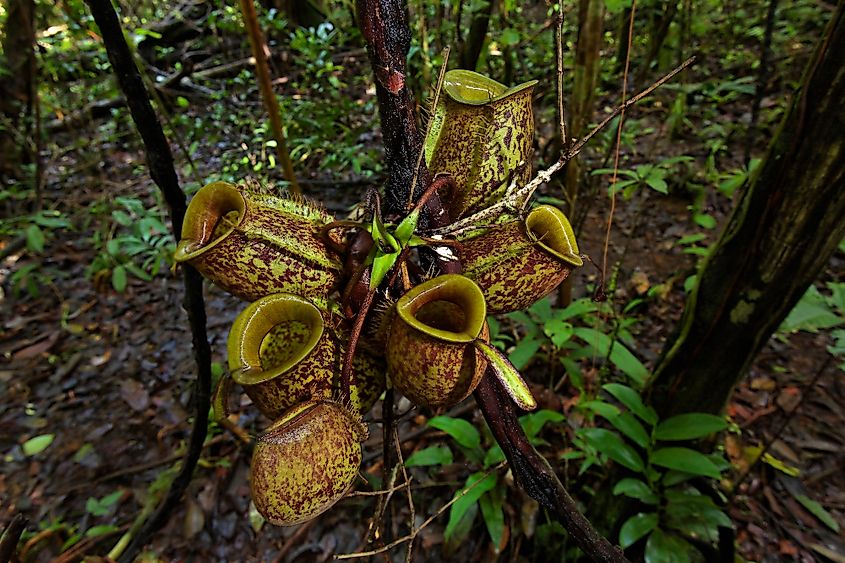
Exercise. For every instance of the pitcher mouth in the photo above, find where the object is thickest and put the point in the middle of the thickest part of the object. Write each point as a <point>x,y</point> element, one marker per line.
<point>472,88</point>
<point>449,307</point>
<point>212,214</point>
<point>549,228</point>
<point>271,336</point>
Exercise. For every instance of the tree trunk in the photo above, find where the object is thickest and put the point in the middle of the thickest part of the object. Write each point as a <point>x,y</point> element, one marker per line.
<point>16,88</point>
<point>783,231</point>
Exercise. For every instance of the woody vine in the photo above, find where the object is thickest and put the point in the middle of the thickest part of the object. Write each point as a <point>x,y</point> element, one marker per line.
<point>341,309</point>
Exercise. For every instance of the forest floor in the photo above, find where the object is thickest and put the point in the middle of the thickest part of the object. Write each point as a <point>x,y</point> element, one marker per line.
<point>110,375</point>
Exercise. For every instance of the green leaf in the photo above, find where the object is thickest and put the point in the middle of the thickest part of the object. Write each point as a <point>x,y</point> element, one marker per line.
<point>631,399</point>
<point>616,6</point>
<point>818,511</point>
<point>494,516</point>
<point>534,422</point>
<point>601,408</point>
<point>38,444</point>
<point>620,356</point>
<point>666,548</point>
<point>685,459</point>
<point>704,220</point>
<point>558,331</point>
<point>524,351</point>
<point>434,455</point>
<point>509,37</point>
<point>811,314</point>
<point>459,429</point>
<point>695,515</point>
<point>122,218</point>
<point>469,499</point>
<point>508,375</point>
<point>118,278</point>
<point>493,456</point>
<point>636,527</point>
<point>637,489</point>
<point>631,427</point>
<point>406,228</point>
<point>689,426</point>
<point>610,444</point>
<point>102,530</point>
<point>101,507</point>
<point>34,238</point>
<point>658,184</point>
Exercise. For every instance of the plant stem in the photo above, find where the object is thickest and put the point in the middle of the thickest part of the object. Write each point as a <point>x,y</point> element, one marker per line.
<point>262,72</point>
<point>163,173</point>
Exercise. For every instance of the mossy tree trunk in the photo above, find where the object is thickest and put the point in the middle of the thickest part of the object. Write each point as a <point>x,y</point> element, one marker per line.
<point>782,232</point>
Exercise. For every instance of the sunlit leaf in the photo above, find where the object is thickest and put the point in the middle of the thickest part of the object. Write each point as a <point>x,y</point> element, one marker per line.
<point>38,444</point>
<point>459,429</point>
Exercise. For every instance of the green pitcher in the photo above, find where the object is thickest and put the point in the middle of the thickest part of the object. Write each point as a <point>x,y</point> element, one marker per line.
<point>519,262</point>
<point>283,350</point>
<point>431,358</point>
<point>253,245</point>
<point>480,132</point>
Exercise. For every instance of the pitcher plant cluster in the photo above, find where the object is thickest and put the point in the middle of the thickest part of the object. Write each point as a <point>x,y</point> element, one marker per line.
<point>341,309</point>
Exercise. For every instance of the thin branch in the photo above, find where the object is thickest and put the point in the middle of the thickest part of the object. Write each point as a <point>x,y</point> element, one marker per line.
<point>163,173</point>
<point>429,520</point>
<point>262,72</point>
<point>564,142</point>
<point>618,144</point>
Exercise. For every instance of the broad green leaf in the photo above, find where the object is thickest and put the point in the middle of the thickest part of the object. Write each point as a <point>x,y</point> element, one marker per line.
<point>524,351</point>
<point>508,375</point>
<point>601,408</point>
<point>637,489</point>
<point>637,527</point>
<point>558,331</point>
<point>35,238</point>
<point>610,444</point>
<point>459,429</point>
<point>695,515</point>
<point>685,459</point>
<point>469,499</point>
<point>434,455</point>
<point>118,278</point>
<point>837,297</point>
<point>629,426</point>
<point>620,356</point>
<point>812,313</point>
<point>818,511</point>
<point>457,534</point>
<point>38,444</point>
<point>704,220</point>
<point>631,399</point>
<point>534,422</point>
<point>663,547</point>
<point>493,456</point>
<point>577,308</point>
<point>494,516</point>
<point>689,426</point>
<point>657,183</point>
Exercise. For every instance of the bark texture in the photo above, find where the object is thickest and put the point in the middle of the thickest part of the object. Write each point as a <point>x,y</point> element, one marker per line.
<point>781,234</point>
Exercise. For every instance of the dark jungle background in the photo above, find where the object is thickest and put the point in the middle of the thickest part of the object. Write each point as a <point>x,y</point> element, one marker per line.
<point>96,375</point>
